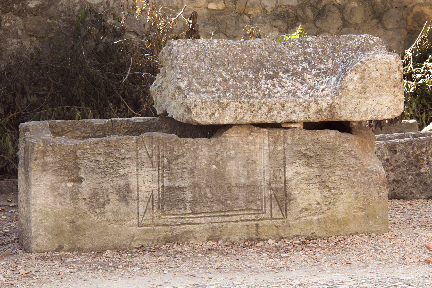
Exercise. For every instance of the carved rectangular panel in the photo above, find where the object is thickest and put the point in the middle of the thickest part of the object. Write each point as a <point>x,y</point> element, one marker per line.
<point>191,181</point>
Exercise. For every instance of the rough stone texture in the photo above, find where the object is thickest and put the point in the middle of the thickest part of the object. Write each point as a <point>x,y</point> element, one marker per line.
<point>400,127</point>
<point>327,78</point>
<point>253,7</point>
<point>240,6</point>
<point>98,128</point>
<point>418,16</point>
<point>398,22</point>
<point>407,161</point>
<point>243,183</point>
<point>288,2</point>
<point>217,5</point>
<point>392,19</point>
<point>196,3</point>
<point>269,5</point>
<point>427,128</point>
<point>329,19</point>
<point>355,13</point>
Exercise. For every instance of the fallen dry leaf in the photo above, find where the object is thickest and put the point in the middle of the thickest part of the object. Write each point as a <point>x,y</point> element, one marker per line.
<point>428,260</point>
<point>24,272</point>
<point>429,246</point>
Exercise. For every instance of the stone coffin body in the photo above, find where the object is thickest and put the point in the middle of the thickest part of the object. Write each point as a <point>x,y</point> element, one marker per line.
<point>111,190</point>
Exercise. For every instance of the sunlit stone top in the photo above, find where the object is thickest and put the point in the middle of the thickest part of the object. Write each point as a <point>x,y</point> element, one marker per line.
<point>322,78</point>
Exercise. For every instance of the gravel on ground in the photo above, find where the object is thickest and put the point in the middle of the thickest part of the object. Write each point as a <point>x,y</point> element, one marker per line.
<point>399,258</point>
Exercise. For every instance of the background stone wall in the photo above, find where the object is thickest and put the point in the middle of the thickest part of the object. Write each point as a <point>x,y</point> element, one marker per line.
<point>397,22</point>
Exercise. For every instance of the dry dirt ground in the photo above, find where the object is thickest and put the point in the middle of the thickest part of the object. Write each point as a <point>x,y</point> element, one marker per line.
<point>399,258</point>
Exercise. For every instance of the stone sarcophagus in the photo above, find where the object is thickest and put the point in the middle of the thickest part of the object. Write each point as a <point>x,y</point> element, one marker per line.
<point>107,191</point>
<point>122,183</point>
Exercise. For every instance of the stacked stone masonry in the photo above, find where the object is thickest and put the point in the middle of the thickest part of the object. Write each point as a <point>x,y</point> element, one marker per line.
<point>397,22</point>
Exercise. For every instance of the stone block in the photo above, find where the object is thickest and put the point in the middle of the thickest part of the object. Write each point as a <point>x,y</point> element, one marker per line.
<point>427,128</point>
<point>288,2</point>
<point>230,4</point>
<point>196,3</point>
<point>253,7</point>
<point>240,6</point>
<point>329,19</point>
<point>355,13</point>
<point>269,5</point>
<point>406,158</point>
<point>416,18</point>
<point>306,15</point>
<point>311,79</point>
<point>245,182</point>
<point>99,128</point>
<point>392,19</point>
<point>393,40</point>
<point>216,5</point>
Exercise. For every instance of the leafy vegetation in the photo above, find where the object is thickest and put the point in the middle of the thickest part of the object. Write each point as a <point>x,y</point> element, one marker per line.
<point>300,32</point>
<point>89,71</point>
<point>254,32</point>
<point>417,70</point>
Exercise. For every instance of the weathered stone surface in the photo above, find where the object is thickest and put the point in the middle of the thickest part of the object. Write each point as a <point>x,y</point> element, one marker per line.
<point>306,14</point>
<point>355,13</point>
<point>230,3</point>
<point>240,6</point>
<point>282,18</point>
<point>253,7</point>
<point>400,20</point>
<point>216,5</point>
<point>269,5</point>
<point>329,19</point>
<point>400,127</point>
<point>243,183</point>
<point>327,78</point>
<point>427,128</point>
<point>407,158</point>
<point>196,3</point>
<point>418,15</point>
<point>392,19</point>
<point>99,128</point>
<point>170,3</point>
<point>288,2</point>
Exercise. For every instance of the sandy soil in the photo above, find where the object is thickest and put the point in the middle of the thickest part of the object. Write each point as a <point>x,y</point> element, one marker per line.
<point>399,258</point>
